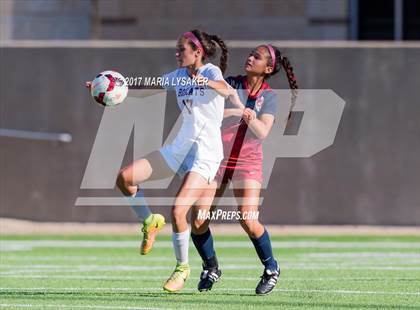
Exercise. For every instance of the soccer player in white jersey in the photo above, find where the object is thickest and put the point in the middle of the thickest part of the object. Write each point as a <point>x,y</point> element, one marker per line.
<point>196,151</point>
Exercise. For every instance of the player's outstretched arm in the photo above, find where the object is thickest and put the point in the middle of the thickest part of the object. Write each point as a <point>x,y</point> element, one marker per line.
<point>234,98</point>
<point>233,112</point>
<point>220,87</point>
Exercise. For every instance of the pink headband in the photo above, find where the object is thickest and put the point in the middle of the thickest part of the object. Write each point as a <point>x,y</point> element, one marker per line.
<point>272,54</point>
<point>189,35</point>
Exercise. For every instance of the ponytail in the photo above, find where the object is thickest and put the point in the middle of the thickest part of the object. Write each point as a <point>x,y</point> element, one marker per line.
<point>291,78</point>
<point>224,54</point>
<point>208,43</point>
<point>283,62</point>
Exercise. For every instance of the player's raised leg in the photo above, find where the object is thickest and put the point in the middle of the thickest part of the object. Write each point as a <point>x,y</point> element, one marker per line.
<point>152,167</point>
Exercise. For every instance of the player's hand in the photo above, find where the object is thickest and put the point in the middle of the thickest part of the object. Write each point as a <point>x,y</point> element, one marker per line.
<point>249,115</point>
<point>88,84</point>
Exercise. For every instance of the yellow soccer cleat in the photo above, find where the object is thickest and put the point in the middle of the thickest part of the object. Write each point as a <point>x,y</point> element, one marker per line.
<point>151,226</point>
<point>177,279</point>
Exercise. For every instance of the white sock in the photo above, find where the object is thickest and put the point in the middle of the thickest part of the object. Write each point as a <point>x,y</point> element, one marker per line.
<point>181,243</point>
<point>142,211</point>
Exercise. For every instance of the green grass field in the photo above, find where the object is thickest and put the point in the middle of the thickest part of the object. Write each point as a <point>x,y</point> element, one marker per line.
<point>91,272</point>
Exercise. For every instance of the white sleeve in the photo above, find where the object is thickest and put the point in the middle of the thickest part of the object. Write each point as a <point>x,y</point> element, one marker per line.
<point>215,74</point>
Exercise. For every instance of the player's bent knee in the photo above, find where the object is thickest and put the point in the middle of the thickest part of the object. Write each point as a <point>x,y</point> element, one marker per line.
<point>124,183</point>
<point>245,223</point>
<point>120,181</point>
<point>178,214</point>
<point>250,226</point>
<point>199,226</point>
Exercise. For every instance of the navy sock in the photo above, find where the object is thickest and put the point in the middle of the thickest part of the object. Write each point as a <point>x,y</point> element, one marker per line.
<point>204,246</point>
<point>265,253</point>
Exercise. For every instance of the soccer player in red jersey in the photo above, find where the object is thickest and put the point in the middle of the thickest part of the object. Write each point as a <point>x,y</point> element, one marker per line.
<point>248,118</point>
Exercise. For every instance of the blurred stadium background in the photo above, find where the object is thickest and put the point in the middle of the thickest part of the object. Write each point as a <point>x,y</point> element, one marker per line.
<point>54,255</point>
<point>365,51</point>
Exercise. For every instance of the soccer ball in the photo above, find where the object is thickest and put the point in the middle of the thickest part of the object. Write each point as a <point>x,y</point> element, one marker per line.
<point>109,88</point>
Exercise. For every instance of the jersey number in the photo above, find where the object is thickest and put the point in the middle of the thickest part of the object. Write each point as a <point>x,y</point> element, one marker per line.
<point>188,104</point>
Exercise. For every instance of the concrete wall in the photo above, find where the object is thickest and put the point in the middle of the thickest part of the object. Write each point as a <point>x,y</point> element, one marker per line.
<point>371,175</point>
<point>49,19</point>
<point>162,19</point>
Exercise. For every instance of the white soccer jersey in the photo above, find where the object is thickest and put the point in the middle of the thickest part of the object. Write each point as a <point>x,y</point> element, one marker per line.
<point>202,112</point>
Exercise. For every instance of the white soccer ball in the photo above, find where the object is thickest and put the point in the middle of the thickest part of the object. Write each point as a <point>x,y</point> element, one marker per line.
<point>109,88</point>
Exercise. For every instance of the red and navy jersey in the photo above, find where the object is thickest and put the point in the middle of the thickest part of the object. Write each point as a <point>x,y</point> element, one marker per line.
<point>263,101</point>
<point>241,147</point>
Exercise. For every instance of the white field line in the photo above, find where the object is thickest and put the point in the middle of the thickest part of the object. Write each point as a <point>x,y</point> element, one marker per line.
<point>227,278</point>
<point>285,264</point>
<point>372,256</point>
<point>363,254</point>
<point>11,245</point>
<point>349,292</point>
<point>131,289</point>
<point>100,258</point>
<point>76,269</point>
<point>13,263</point>
<point>60,306</point>
<point>143,267</point>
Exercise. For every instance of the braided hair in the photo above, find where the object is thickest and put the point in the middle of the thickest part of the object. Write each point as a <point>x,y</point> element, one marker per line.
<point>209,42</point>
<point>283,62</point>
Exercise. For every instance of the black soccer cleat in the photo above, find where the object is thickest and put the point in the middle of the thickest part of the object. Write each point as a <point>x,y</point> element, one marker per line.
<point>268,281</point>
<point>207,278</point>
